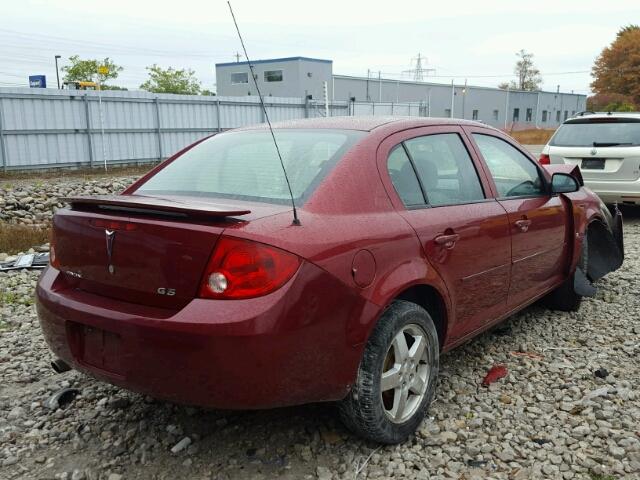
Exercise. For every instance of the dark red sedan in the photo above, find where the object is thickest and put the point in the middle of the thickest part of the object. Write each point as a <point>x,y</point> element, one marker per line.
<point>195,285</point>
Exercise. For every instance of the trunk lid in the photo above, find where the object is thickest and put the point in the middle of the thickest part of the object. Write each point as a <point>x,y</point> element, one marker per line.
<point>601,163</point>
<point>144,250</point>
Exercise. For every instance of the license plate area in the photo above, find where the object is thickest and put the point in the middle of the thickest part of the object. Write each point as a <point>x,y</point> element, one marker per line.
<point>592,163</point>
<point>97,348</point>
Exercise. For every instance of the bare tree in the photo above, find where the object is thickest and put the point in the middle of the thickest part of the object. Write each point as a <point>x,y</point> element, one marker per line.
<point>528,75</point>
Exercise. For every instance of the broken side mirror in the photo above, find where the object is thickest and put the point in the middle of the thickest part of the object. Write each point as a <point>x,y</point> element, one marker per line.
<point>564,183</point>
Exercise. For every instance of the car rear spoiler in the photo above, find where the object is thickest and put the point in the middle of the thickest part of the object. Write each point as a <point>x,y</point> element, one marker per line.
<point>172,207</point>
<point>572,170</point>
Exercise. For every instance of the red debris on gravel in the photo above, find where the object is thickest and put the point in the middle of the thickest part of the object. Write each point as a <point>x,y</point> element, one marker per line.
<point>495,373</point>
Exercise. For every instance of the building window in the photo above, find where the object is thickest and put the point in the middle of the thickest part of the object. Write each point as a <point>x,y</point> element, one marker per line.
<point>573,113</point>
<point>273,76</point>
<point>566,114</point>
<point>516,114</point>
<point>558,116</point>
<point>239,77</point>
<point>474,115</point>
<point>447,112</point>
<point>529,114</point>
<point>544,116</point>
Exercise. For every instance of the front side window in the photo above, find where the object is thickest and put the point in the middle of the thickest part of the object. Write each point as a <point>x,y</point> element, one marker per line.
<point>273,76</point>
<point>445,169</point>
<point>514,174</point>
<point>403,177</point>
<point>239,77</point>
<point>244,165</point>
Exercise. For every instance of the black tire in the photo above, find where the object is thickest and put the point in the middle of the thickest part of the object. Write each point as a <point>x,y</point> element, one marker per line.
<point>364,410</point>
<point>565,298</point>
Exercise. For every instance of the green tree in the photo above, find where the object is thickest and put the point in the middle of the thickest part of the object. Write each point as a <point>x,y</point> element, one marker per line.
<point>171,80</point>
<point>617,69</point>
<point>528,75</point>
<point>610,102</point>
<point>87,70</point>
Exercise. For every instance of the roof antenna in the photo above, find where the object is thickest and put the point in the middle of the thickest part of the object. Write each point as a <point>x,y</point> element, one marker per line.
<point>296,220</point>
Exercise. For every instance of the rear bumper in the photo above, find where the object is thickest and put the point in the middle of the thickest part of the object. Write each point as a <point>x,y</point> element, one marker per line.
<point>616,191</point>
<point>289,347</point>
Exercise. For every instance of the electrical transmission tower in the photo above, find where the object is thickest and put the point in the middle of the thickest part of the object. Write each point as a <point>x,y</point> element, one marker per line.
<point>419,72</point>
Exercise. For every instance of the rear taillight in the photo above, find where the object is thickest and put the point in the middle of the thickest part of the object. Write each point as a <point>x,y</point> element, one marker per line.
<point>53,257</point>
<point>244,269</point>
<point>544,159</point>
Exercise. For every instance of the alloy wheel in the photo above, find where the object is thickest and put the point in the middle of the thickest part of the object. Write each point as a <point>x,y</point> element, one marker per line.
<point>405,373</point>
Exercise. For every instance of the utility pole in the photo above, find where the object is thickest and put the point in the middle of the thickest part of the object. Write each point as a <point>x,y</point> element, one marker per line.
<point>464,97</point>
<point>453,94</point>
<point>368,74</point>
<point>326,99</point>
<point>57,72</point>
<point>506,109</point>
<point>237,55</point>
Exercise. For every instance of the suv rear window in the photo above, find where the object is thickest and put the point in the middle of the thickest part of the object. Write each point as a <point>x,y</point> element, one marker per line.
<point>244,165</point>
<point>598,132</point>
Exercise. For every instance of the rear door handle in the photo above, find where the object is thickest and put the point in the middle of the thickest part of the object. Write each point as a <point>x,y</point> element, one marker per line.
<point>523,224</point>
<point>447,241</point>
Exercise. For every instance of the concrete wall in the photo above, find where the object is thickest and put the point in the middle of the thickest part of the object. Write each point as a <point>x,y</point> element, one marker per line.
<point>300,75</point>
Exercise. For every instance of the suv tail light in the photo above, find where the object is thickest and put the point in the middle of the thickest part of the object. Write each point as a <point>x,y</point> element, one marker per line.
<point>244,269</point>
<point>544,159</point>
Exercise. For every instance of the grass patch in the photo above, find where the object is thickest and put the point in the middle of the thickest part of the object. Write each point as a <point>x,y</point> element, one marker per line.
<point>85,173</point>
<point>533,137</point>
<point>10,298</point>
<point>599,476</point>
<point>20,238</point>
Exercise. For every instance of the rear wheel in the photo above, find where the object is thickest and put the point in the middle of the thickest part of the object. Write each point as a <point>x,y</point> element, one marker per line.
<point>397,376</point>
<point>565,298</point>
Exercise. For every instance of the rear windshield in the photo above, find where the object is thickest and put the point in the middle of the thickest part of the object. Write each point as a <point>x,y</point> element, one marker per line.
<point>245,165</point>
<point>607,132</point>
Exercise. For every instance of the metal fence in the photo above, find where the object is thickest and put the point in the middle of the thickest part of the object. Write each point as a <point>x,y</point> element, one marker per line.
<point>65,128</point>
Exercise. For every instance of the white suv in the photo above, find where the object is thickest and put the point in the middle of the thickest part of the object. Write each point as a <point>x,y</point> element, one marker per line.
<point>606,148</point>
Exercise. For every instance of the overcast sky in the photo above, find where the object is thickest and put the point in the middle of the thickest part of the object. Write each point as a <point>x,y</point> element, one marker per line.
<point>463,39</point>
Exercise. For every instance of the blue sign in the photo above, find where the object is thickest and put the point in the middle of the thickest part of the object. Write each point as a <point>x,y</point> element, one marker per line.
<point>37,81</point>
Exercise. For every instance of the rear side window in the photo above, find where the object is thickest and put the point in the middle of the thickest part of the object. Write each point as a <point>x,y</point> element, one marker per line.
<point>245,165</point>
<point>514,174</point>
<point>605,132</point>
<point>445,169</point>
<point>404,178</point>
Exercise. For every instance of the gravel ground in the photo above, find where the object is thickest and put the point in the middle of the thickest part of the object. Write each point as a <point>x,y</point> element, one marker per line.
<point>551,417</point>
<point>31,202</point>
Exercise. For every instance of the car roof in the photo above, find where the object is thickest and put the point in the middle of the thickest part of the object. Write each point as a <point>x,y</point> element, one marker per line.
<point>365,123</point>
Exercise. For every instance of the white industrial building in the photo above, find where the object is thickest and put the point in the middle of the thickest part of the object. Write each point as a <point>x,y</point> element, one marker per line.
<point>313,78</point>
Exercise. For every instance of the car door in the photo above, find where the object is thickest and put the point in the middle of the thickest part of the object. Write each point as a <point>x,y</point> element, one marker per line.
<point>538,220</point>
<point>463,231</point>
